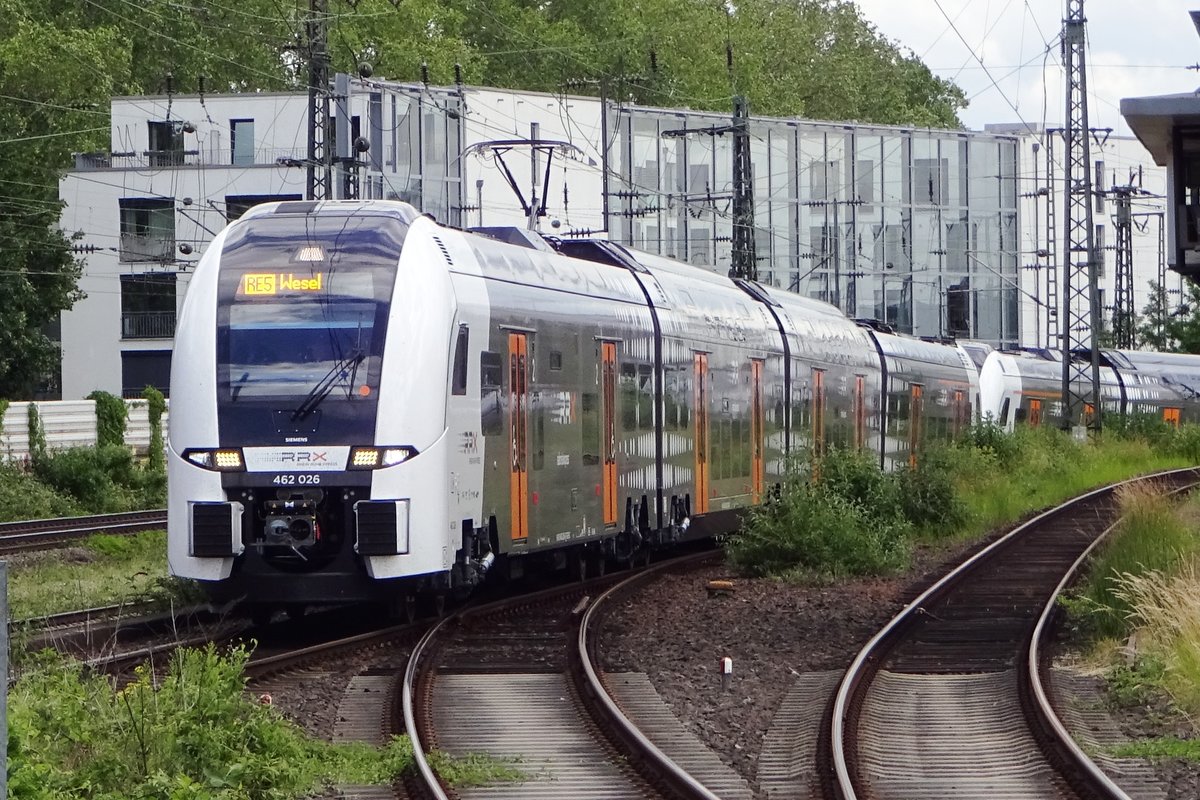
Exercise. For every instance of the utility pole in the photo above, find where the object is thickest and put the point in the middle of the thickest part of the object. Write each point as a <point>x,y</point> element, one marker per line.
<point>745,264</point>
<point>1051,251</point>
<point>320,162</point>
<point>1080,296</point>
<point>1123,312</point>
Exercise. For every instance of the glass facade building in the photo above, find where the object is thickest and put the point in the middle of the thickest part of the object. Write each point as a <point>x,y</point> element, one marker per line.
<point>914,228</point>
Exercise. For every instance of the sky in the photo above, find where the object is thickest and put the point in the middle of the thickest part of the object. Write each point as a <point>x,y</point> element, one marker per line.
<point>1005,54</point>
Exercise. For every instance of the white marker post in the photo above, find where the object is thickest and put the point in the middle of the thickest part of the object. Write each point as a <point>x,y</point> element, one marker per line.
<point>726,673</point>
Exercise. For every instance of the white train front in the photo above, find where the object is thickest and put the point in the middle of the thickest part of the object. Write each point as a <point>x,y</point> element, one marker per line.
<point>365,404</point>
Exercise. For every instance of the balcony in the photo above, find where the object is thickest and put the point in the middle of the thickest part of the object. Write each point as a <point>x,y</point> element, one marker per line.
<point>216,156</point>
<point>147,248</point>
<point>147,324</point>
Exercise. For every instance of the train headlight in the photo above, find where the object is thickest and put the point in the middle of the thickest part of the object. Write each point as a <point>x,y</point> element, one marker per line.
<point>376,457</point>
<point>227,459</point>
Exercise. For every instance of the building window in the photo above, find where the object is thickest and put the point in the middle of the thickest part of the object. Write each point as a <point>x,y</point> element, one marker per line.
<point>238,204</point>
<point>241,142</point>
<point>147,228</point>
<point>142,368</point>
<point>148,305</point>
<point>931,181</point>
<point>166,143</point>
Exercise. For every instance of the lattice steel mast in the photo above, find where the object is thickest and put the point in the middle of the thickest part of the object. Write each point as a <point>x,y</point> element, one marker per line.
<point>1080,296</point>
<point>320,158</point>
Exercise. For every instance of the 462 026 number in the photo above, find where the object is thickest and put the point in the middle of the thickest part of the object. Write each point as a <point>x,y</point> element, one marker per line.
<point>296,480</point>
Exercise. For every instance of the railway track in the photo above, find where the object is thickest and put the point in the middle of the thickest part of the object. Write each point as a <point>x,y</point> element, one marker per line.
<point>26,535</point>
<point>952,698</point>
<point>515,680</point>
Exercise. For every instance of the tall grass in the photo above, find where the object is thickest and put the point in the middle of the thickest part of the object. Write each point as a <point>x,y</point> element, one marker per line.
<point>1156,533</point>
<point>1164,607</point>
<point>848,518</point>
<point>1003,477</point>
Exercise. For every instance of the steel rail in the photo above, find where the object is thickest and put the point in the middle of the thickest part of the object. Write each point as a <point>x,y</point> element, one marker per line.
<point>1045,710</point>
<point>661,764</point>
<point>856,672</point>
<point>24,535</point>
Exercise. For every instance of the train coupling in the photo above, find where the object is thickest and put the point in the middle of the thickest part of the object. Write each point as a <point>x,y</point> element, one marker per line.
<point>291,524</point>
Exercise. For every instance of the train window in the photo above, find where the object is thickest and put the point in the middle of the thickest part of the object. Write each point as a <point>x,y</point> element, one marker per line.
<point>556,360</point>
<point>1004,412</point>
<point>491,371</point>
<point>590,420</point>
<point>458,376</point>
<point>539,432</point>
<point>628,401</point>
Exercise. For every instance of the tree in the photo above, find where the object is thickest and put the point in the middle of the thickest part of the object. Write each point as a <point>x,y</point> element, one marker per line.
<point>1154,332</point>
<point>53,85</point>
<point>1185,323</point>
<point>62,60</point>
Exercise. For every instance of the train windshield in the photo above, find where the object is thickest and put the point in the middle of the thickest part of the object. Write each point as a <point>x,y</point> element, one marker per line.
<point>304,307</point>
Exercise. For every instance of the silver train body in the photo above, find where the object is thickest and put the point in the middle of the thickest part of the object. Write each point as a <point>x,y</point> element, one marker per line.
<point>366,405</point>
<point>1025,387</point>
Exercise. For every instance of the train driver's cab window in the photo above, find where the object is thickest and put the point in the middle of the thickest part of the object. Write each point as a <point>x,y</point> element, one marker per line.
<point>491,373</point>
<point>1004,412</point>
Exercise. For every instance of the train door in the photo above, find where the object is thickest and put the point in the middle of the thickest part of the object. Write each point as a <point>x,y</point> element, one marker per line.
<point>916,414</point>
<point>1035,412</point>
<point>860,412</point>
<point>756,431</point>
<point>701,433</point>
<point>518,430</point>
<point>962,411</point>
<point>608,444</point>
<point>1171,416</point>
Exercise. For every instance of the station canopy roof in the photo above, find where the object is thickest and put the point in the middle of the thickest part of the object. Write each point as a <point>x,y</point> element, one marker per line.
<point>1152,119</point>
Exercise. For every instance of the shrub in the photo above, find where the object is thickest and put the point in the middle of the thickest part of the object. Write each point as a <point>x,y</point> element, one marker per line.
<point>101,479</point>
<point>989,437</point>
<point>37,435</point>
<point>927,496</point>
<point>855,476</point>
<point>23,497</point>
<point>157,405</point>
<point>111,415</point>
<point>192,733</point>
<point>814,531</point>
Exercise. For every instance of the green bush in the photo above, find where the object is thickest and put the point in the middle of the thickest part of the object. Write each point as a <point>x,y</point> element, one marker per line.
<point>989,437</point>
<point>1186,442</point>
<point>111,416</point>
<point>101,479</point>
<point>157,405</point>
<point>37,434</point>
<point>22,496</point>
<point>190,734</point>
<point>927,496</point>
<point>855,476</point>
<point>811,530</point>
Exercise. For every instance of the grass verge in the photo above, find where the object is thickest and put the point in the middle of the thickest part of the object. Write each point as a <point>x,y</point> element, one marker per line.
<point>192,734</point>
<point>103,570</point>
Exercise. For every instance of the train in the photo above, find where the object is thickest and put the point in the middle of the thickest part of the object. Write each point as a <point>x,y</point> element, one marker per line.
<point>369,406</point>
<point>1025,387</point>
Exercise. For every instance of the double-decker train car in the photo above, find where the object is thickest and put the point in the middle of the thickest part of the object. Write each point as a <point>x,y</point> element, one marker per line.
<point>367,405</point>
<point>1025,387</point>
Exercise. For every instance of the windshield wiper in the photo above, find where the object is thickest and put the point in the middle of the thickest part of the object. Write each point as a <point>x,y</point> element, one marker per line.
<point>324,386</point>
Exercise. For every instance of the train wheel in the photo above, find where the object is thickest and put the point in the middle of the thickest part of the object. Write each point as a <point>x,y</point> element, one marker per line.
<point>403,608</point>
<point>577,564</point>
<point>599,562</point>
